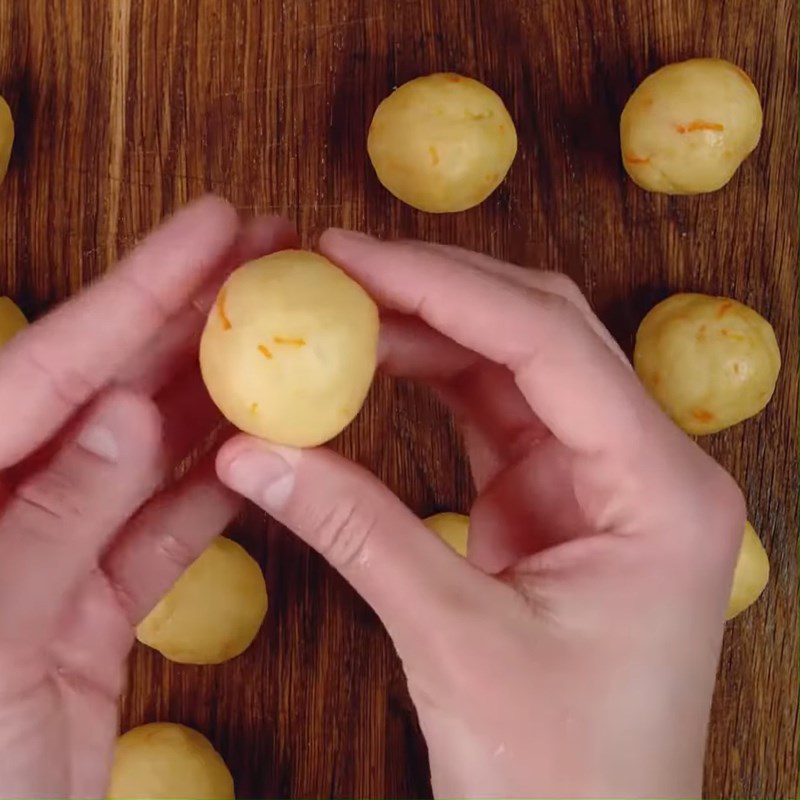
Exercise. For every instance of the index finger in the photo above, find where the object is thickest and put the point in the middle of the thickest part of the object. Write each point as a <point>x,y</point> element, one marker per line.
<point>574,383</point>
<point>55,366</point>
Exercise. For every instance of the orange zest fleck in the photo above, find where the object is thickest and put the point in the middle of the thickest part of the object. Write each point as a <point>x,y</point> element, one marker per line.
<point>223,317</point>
<point>452,77</point>
<point>253,408</point>
<point>701,415</point>
<point>701,333</point>
<point>286,340</point>
<point>724,308</point>
<point>634,159</point>
<point>434,155</point>
<point>264,351</point>
<point>700,125</point>
<point>655,379</point>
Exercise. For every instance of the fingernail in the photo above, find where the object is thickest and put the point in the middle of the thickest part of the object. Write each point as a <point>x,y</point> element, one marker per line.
<point>262,476</point>
<point>100,441</point>
<point>352,236</point>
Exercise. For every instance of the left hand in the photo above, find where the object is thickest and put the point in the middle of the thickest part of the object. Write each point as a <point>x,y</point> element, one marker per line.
<point>99,401</point>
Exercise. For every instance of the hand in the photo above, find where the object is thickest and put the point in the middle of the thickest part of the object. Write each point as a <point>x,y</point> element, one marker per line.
<point>99,400</point>
<point>574,653</point>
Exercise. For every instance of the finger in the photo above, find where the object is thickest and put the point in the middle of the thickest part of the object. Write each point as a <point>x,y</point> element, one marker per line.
<point>174,347</point>
<point>66,357</point>
<point>58,521</point>
<point>543,280</point>
<point>573,382</point>
<point>361,528</point>
<point>166,536</point>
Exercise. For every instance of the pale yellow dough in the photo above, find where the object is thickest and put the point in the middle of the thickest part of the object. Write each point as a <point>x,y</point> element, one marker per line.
<point>751,574</point>
<point>688,126</point>
<point>165,760</point>
<point>452,528</point>
<point>12,320</point>
<point>289,350</point>
<point>442,142</point>
<point>710,362</point>
<point>214,610</point>
<point>6,137</point>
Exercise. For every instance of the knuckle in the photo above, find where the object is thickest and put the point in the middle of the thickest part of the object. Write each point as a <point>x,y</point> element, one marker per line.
<point>564,285</point>
<point>342,533</point>
<point>50,497</point>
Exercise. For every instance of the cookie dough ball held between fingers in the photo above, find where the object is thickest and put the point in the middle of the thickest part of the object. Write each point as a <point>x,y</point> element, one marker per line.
<point>751,574</point>
<point>453,529</point>
<point>12,320</point>
<point>688,126</point>
<point>710,362</point>
<point>164,760</point>
<point>290,348</point>
<point>442,142</point>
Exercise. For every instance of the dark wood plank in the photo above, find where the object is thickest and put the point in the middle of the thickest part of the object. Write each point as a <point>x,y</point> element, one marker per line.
<point>126,109</point>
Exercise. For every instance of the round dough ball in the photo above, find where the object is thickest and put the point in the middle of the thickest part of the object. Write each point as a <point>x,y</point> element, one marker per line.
<point>12,320</point>
<point>688,126</point>
<point>214,610</point>
<point>168,760</point>
<point>290,347</point>
<point>452,528</point>
<point>710,362</point>
<point>6,137</point>
<point>751,574</point>
<point>442,142</point>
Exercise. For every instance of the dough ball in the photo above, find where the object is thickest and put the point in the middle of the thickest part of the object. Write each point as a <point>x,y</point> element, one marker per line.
<point>688,126</point>
<point>289,349</point>
<point>442,143</point>
<point>710,362</point>
<point>452,528</point>
<point>12,320</point>
<point>6,137</point>
<point>168,760</point>
<point>214,610</point>
<point>751,574</point>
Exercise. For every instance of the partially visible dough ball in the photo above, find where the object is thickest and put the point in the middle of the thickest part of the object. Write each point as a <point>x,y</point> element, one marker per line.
<point>751,574</point>
<point>710,362</point>
<point>289,350</point>
<point>163,760</point>
<point>6,137</point>
<point>688,126</point>
<point>214,610</point>
<point>442,142</point>
<point>452,528</point>
<point>12,320</point>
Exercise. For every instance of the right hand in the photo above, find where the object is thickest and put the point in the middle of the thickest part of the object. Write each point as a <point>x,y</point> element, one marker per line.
<point>574,653</point>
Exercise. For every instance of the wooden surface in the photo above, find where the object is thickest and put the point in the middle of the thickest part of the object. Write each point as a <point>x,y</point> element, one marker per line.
<point>127,108</point>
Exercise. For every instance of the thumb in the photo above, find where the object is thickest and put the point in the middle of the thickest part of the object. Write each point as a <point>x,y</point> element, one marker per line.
<point>389,557</point>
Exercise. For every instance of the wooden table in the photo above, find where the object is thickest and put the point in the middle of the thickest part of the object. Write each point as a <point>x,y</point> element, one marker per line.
<point>127,108</point>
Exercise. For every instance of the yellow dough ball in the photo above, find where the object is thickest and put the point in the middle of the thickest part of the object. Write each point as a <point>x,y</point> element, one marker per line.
<point>710,362</point>
<point>442,142</point>
<point>6,137</point>
<point>214,610</point>
<point>163,760</point>
<point>290,347</point>
<point>452,528</point>
<point>12,320</point>
<point>751,574</point>
<point>688,126</point>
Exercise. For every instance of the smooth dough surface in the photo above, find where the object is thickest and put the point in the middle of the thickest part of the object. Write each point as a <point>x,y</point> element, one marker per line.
<point>751,574</point>
<point>289,350</point>
<point>214,610</point>
<point>710,362</point>
<point>6,137</point>
<point>165,760</point>
<point>452,528</point>
<point>688,126</point>
<point>12,320</point>
<point>442,142</point>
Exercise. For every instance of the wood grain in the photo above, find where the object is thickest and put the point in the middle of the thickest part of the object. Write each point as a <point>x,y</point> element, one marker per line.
<point>127,108</point>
